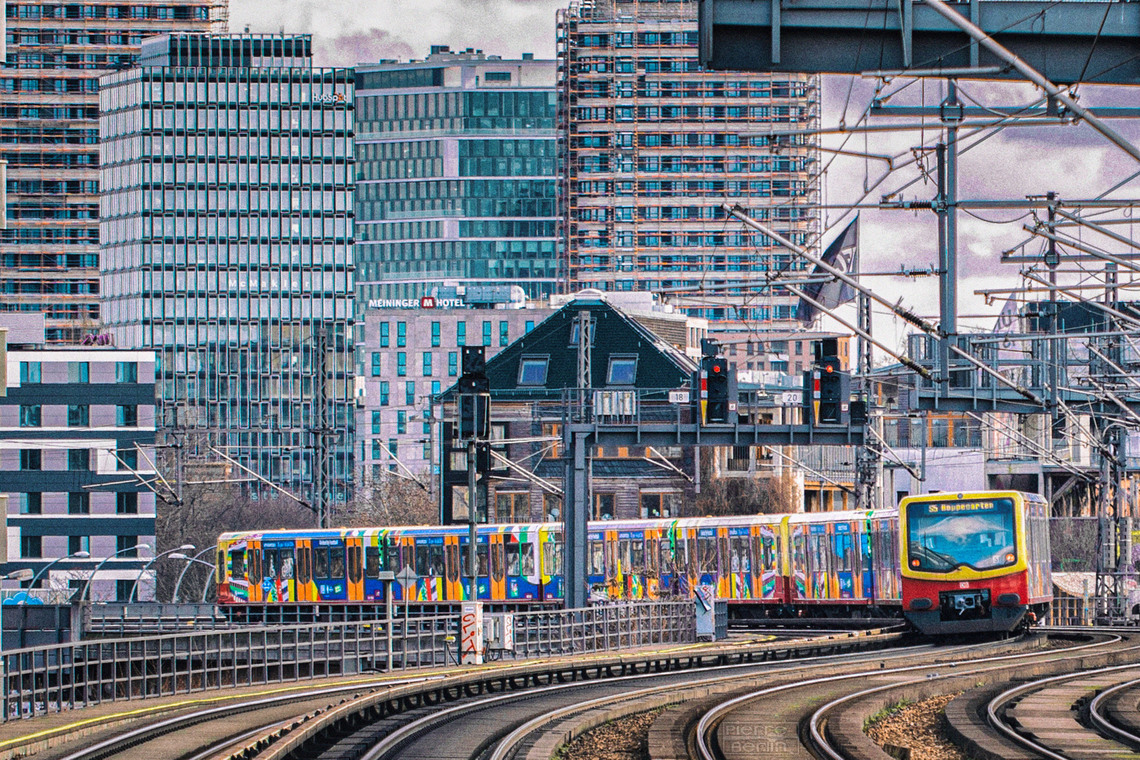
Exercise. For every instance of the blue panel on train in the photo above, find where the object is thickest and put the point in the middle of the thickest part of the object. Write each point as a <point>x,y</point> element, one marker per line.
<point>277,544</point>
<point>331,589</point>
<point>817,528</point>
<point>706,532</point>
<point>328,542</point>
<point>842,527</point>
<point>740,531</point>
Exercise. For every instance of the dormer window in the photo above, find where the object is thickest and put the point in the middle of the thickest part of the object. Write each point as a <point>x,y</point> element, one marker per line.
<point>532,370</point>
<point>622,370</point>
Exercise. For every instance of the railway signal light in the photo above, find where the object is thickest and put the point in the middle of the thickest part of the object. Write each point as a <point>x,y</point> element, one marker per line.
<point>474,395</point>
<point>716,390</point>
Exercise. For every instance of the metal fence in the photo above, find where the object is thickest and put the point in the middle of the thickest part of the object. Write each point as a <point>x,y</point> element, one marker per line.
<point>72,676</point>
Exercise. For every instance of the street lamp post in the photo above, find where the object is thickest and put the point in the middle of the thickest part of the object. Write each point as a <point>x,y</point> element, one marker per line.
<point>87,586</point>
<point>176,553</point>
<point>182,575</point>
<point>45,568</point>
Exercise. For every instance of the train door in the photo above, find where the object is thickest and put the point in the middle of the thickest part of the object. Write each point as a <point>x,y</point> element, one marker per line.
<point>550,564</point>
<point>452,577</point>
<point>407,560</point>
<point>304,571</point>
<point>740,562</point>
<point>866,587</point>
<point>330,572</point>
<point>354,548</point>
<point>373,557</point>
<point>724,565</point>
<point>652,563</point>
<point>757,569</point>
<point>843,560</point>
<point>614,579</point>
<point>498,568</point>
<point>254,571</point>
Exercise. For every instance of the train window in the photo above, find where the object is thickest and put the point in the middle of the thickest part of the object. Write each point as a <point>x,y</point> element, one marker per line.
<point>513,562</point>
<point>611,559</point>
<point>552,558</point>
<point>451,556</point>
<point>286,564</point>
<point>652,556</point>
<point>255,566</point>
<point>237,563</point>
<point>372,562</point>
<point>422,561</point>
<point>355,565</point>
<point>625,555</point>
<point>220,568</point>
<point>320,563</point>
<point>498,562</point>
<point>482,553</point>
<point>304,564</point>
<point>597,558</point>
<point>741,559</point>
<point>336,562</point>
<point>637,558</point>
<point>844,554</point>
<point>527,552</point>
<point>269,563</point>
<point>757,552</point>
<point>666,565</point>
<point>799,552</point>
<point>706,554</point>
<point>722,553</point>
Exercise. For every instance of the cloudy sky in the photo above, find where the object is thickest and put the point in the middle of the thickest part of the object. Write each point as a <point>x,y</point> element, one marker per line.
<point>1071,160</point>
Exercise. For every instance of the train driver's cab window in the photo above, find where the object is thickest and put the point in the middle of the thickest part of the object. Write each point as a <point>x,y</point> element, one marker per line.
<point>429,560</point>
<point>328,562</point>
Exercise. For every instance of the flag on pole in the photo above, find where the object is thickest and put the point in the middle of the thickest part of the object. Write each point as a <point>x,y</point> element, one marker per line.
<point>843,254</point>
<point>1007,320</point>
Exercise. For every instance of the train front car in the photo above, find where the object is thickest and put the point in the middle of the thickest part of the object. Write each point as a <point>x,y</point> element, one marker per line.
<point>974,562</point>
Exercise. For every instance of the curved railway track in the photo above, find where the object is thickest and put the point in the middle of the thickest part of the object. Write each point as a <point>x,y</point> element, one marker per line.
<point>794,699</point>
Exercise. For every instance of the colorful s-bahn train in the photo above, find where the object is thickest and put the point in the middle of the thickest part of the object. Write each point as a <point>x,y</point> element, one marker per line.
<point>809,565</point>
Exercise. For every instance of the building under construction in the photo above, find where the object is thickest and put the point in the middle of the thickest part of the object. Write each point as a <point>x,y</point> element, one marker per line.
<point>653,146</point>
<point>49,254</point>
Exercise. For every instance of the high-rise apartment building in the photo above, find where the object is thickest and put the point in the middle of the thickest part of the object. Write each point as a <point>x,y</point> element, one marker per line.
<point>456,175</point>
<point>226,233</point>
<point>652,147</point>
<point>49,130</point>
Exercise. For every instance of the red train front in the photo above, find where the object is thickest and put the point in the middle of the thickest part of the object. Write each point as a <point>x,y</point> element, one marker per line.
<point>975,562</point>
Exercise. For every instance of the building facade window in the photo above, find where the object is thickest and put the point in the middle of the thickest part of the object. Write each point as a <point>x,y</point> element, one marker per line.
<point>31,503</point>
<point>78,372</point>
<point>127,415</point>
<point>31,459</point>
<point>126,547</point>
<point>384,389</point>
<point>461,333</point>
<point>401,422</point>
<point>31,415</point>
<point>76,544</point>
<point>78,503</point>
<point>126,503</point>
<point>487,333</point>
<point>375,365</point>
<point>401,363</point>
<point>78,415</point>
<point>375,423</point>
<point>427,363</point>
<point>452,364</point>
<point>504,333</point>
<point>401,334</point>
<point>128,459</point>
<point>532,370</point>
<point>385,334</point>
<point>435,334</point>
<point>410,393</point>
<point>30,372</point>
<point>31,547</point>
<point>126,372</point>
<point>79,459</point>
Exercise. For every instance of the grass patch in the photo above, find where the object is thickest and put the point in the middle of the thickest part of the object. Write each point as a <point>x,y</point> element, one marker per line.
<point>885,713</point>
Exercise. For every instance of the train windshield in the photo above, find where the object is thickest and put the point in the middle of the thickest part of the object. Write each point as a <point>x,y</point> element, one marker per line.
<point>944,536</point>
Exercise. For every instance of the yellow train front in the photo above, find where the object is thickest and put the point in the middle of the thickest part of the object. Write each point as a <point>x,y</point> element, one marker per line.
<point>975,562</point>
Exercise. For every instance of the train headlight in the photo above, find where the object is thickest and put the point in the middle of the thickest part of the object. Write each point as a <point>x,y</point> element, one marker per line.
<point>914,563</point>
<point>1010,557</point>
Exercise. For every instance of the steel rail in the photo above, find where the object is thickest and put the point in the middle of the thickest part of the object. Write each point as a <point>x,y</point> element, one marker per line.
<point>712,718</point>
<point>998,703</point>
<point>394,741</point>
<point>1103,724</point>
<point>145,733</point>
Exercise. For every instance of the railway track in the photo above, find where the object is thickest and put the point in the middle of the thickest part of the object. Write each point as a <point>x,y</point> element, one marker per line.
<point>783,699</point>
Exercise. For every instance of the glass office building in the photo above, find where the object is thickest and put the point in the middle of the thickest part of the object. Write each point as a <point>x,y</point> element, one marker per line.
<point>226,229</point>
<point>49,111</point>
<point>652,148</point>
<point>455,175</point>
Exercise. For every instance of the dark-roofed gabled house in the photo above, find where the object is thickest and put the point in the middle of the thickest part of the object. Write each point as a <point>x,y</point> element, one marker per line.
<point>535,380</point>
